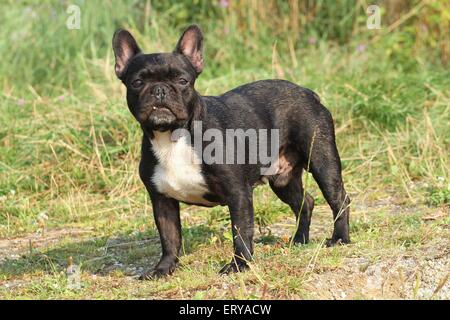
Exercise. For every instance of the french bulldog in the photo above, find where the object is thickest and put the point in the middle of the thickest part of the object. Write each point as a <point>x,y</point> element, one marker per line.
<point>161,96</point>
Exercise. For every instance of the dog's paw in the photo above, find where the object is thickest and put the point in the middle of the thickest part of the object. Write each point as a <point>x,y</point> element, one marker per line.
<point>299,240</point>
<point>233,267</point>
<point>159,271</point>
<point>153,274</point>
<point>336,242</point>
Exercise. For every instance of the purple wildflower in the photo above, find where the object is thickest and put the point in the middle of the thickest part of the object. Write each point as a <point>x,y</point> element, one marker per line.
<point>361,47</point>
<point>224,3</point>
<point>21,102</point>
<point>312,40</point>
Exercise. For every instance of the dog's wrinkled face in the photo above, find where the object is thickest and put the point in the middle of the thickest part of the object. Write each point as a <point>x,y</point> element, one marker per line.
<point>160,86</point>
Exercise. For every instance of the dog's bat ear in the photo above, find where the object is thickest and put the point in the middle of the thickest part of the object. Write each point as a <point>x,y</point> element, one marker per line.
<point>125,47</point>
<point>191,46</point>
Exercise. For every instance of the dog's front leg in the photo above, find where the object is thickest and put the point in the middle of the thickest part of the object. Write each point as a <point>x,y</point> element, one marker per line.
<point>241,211</point>
<point>167,217</point>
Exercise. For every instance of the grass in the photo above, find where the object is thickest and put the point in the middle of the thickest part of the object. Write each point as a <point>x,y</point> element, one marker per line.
<point>69,151</point>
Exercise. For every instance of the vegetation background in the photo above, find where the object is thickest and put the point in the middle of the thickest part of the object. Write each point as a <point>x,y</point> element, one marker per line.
<point>75,221</point>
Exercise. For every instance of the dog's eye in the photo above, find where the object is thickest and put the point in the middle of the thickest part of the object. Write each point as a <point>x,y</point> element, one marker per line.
<point>182,81</point>
<point>137,83</point>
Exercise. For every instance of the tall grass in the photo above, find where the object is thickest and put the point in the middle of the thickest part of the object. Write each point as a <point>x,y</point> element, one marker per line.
<point>69,148</point>
<point>44,57</point>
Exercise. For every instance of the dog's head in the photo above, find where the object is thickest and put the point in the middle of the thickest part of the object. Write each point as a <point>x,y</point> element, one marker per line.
<point>160,86</point>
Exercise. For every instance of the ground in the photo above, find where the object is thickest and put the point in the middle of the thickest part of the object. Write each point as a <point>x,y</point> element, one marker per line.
<point>396,253</point>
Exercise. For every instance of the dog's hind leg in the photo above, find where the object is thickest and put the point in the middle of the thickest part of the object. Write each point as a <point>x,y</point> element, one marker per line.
<point>325,166</point>
<point>292,195</point>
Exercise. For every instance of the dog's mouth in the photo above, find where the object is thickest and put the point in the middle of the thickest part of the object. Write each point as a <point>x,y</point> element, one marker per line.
<point>158,118</point>
<point>159,108</point>
<point>148,112</point>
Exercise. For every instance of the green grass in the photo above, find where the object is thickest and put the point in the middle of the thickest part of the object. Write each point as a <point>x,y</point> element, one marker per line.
<point>69,151</point>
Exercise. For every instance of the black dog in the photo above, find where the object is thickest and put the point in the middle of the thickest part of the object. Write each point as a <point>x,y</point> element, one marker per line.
<point>161,96</point>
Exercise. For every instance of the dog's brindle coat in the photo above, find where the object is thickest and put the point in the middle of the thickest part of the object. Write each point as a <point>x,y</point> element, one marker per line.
<point>161,96</point>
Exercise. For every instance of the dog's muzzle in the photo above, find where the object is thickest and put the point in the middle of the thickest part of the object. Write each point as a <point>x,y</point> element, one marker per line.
<point>157,118</point>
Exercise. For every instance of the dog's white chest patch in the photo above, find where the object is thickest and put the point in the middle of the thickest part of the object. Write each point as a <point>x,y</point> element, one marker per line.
<point>178,173</point>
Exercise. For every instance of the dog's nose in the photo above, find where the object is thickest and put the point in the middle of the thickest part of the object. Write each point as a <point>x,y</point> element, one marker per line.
<point>159,93</point>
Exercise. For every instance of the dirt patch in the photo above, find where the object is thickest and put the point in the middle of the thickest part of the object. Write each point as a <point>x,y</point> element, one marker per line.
<point>13,248</point>
<point>422,276</point>
<point>416,272</point>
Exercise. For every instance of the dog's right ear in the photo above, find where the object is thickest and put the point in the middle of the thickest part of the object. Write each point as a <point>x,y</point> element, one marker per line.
<point>125,48</point>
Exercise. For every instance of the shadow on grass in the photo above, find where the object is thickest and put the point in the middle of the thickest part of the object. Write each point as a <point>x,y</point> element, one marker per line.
<point>124,253</point>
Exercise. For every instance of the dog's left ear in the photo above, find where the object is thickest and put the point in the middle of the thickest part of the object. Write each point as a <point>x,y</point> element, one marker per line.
<point>191,46</point>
